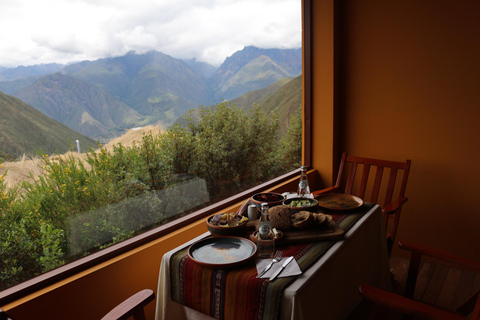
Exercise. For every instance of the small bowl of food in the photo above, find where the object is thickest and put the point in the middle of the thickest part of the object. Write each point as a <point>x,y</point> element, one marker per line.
<point>271,198</point>
<point>301,204</point>
<point>227,224</point>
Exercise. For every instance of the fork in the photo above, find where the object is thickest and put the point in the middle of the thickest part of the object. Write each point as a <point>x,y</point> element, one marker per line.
<point>276,258</point>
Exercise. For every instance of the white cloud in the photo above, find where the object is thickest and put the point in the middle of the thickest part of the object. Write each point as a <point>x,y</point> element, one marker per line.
<point>34,32</point>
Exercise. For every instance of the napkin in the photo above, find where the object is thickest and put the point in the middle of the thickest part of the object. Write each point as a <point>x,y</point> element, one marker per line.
<point>244,206</point>
<point>292,269</point>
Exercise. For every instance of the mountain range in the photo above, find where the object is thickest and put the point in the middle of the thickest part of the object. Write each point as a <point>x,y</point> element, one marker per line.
<point>24,130</point>
<point>80,105</point>
<point>101,98</point>
<point>19,72</point>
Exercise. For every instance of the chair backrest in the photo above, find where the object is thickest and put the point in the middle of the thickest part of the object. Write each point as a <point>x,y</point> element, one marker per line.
<point>373,180</point>
<point>471,306</point>
<point>353,164</point>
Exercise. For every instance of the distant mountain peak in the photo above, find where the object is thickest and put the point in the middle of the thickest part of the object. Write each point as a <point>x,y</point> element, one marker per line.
<point>228,83</point>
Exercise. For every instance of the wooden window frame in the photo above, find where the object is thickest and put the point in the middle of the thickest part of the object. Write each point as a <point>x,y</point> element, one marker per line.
<point>49,278</point>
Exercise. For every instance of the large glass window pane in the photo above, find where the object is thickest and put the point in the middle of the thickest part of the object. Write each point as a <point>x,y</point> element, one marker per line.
<point>174,106</point>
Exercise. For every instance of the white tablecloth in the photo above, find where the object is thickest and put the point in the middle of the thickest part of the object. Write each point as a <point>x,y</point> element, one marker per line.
<point>327,290</point>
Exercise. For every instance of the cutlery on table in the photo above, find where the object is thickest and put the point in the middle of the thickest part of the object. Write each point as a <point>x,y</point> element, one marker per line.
<point>281,269</point>
<point>276,258</point>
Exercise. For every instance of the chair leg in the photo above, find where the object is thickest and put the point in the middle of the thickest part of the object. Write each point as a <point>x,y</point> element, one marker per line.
<point>389,246</point>
<point>412,274</point>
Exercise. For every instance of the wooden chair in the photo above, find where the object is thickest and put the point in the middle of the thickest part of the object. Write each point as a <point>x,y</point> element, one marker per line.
<point>407,305</point>
<point>4,315</point>
<point>131,307</point>
<point>391,205</point>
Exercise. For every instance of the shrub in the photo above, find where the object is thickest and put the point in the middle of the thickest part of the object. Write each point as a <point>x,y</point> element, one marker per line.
<point>79,206</point>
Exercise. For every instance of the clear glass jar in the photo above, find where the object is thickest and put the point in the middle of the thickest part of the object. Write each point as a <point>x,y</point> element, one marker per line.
<point>303,187</point>
<point>265,237</point>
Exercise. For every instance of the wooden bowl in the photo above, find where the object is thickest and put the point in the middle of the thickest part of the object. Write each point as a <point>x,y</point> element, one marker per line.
<point>226,231</point>
<point>271,198</point>
<point>253,237</point>
<point>312,205</point>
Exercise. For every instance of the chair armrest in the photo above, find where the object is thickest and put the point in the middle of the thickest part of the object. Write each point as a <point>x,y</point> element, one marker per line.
<point>404,305</point>
<point>466,263</point>
<point>394,206</point>
<point>132,306</point>
<point>4,315</point>
<point>326,190</point>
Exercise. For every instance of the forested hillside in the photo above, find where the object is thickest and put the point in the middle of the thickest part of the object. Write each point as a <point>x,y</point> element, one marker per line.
<point>24,129</point>
<point>80,105</point>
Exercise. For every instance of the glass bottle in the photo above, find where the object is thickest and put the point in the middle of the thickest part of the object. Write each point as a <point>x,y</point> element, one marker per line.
<point>265,237</point>
<point>303,187</point>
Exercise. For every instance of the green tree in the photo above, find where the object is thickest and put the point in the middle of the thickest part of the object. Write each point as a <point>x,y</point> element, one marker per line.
<point>290,152</point>
<point>232,148</point>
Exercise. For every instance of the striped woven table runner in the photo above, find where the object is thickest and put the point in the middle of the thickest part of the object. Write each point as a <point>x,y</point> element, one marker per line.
<point>236,293</point>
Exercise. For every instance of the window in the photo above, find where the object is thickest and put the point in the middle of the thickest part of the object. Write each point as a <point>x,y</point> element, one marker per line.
<point>82,205</point>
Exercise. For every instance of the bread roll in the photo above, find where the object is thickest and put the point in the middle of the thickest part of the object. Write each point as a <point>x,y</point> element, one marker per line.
<point>280,217</point>
<point>303,219</point>
<point>319,218</point>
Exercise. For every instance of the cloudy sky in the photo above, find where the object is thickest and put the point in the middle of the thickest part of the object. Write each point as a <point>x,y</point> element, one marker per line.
<point>63,31</point>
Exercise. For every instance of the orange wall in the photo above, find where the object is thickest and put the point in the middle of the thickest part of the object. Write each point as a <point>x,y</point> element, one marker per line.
<point>408,75</point>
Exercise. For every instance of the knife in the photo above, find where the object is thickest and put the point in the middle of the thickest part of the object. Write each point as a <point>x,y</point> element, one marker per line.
<point>281,269</point>
<point>265,270</point>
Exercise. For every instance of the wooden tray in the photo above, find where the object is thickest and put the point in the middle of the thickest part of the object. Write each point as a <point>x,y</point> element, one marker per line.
<point>324,232</point>
<point>330,231</point>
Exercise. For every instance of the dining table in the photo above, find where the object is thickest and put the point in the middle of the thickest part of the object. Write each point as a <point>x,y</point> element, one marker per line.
<point>327,288</point>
